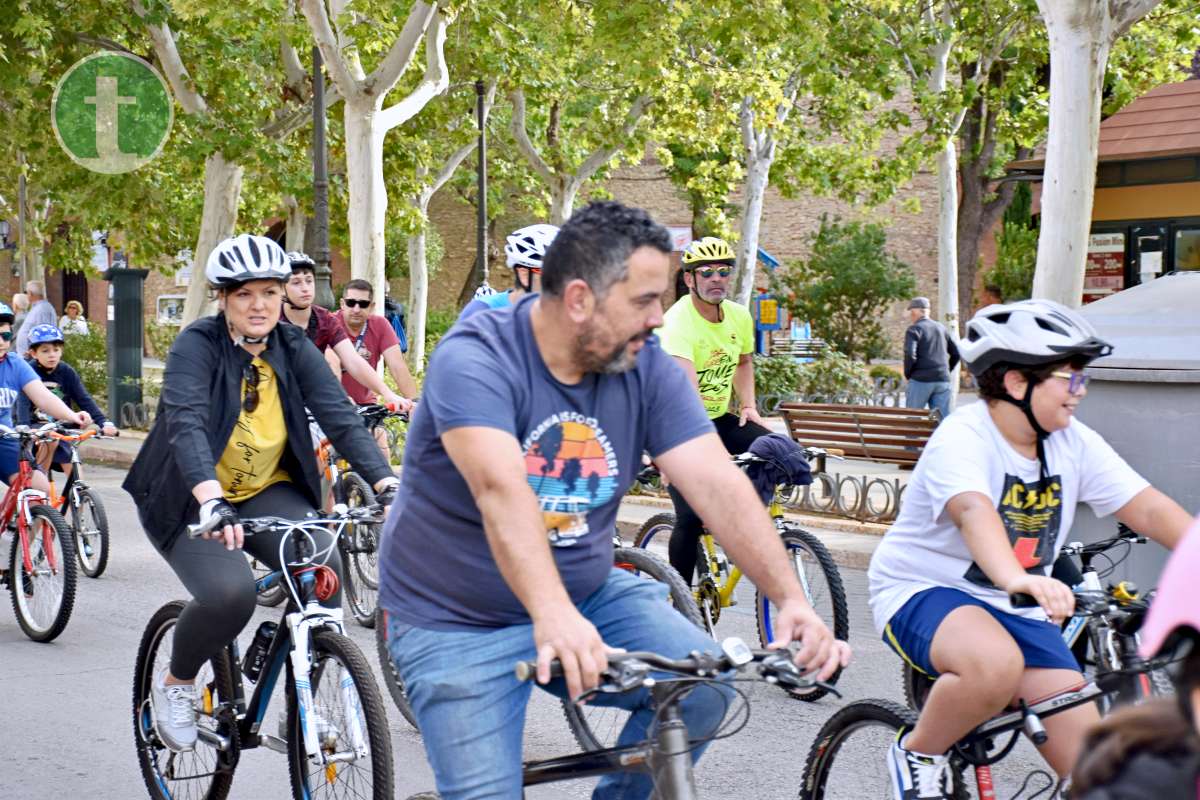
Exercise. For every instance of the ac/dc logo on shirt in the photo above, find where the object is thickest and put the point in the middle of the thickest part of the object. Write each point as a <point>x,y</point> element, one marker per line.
<point>1032,516</point>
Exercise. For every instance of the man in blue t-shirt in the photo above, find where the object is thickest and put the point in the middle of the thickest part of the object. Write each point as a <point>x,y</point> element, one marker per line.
<point>532,427</point>
<point>523,252</point>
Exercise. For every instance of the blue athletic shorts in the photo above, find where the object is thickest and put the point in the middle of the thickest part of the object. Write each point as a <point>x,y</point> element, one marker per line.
<point>10,458</point>
<point>910,632</point>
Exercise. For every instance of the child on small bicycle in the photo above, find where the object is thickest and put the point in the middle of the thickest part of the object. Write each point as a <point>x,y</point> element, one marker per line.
<point>45,356</point>
<point>19,381</point>
<point>987,509</point>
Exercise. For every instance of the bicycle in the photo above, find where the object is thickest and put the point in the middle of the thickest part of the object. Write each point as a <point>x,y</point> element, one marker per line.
<point>82,507</point>
<point>717,579</point>
<point>1090,637</point>
<point>856,739</point>
<point>335,730</point>
<point>667,755</point>
<point>41,573</point>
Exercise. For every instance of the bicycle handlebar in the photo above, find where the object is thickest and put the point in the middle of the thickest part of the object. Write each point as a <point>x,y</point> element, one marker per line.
<point>372,514</point>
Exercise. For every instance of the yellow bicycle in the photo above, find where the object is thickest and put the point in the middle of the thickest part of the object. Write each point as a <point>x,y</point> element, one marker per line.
<point>717,578</point>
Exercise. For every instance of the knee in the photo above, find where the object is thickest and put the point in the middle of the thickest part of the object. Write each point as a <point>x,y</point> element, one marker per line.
<point>994,673</point>
<point>706,706</point>
<point>229,602</point>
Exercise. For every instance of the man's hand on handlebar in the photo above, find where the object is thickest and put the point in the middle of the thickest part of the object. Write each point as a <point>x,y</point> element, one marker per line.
<point>219,520</point>
<point>567,635</point>
<point>819,651</point>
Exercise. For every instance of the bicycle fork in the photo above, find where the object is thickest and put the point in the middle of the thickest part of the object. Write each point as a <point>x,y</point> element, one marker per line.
<point>301,626</point>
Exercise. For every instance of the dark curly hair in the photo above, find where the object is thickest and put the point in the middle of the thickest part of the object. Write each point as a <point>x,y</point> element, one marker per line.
<point>595,244</point>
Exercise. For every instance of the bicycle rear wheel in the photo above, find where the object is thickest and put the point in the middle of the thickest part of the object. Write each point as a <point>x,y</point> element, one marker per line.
<point>351,726</point>
<point>203,773</point>
<point>44,596</point>
<point>849,759</point>
<point>89,523</point>
<point>391,675</point>
<point>359,545</point>
<point>822,584</point>
<point>596,727</point>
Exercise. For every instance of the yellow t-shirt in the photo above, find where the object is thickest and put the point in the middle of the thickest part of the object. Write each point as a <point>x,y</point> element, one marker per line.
<point>713,347</point>
<point>250,462</point>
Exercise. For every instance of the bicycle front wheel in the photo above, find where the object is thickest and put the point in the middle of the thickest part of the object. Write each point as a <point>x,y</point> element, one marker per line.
<point>849,759</point>
<point>44,595</point>
<point>391,675</point>
<point>354,757</point>
<point>822,584</point>
<point>596,727</point>
<point>89,523</point>
<point>359,544</point>
<point>203,773</point>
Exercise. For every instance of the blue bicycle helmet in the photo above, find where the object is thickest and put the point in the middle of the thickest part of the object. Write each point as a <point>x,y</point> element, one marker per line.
<point>44,334</point>
<point>6,314</point>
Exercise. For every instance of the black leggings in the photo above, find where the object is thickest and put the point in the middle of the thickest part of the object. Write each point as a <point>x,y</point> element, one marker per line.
<point>222,584</point>
<point>688,526</point>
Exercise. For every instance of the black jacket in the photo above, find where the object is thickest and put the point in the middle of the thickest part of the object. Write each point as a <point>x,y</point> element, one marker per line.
<point>1162,776</point>
<point>929,352</point>
<point>200,403</point>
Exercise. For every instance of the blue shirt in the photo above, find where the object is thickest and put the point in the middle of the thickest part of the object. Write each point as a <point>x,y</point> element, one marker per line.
<point>15,375</point>
<point>582,443</point>
<point>498,300</point>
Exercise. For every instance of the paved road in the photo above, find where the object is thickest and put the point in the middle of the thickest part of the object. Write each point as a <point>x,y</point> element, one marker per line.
<point>64,707</point>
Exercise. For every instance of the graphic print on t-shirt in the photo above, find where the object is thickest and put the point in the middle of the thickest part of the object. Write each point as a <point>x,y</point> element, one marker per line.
<point>1032,516</point>
<point>714,377</point>
<point>571,467</point>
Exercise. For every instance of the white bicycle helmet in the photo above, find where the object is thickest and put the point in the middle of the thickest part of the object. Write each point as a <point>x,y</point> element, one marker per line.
<point>1028,333</point>
<point>525,247</point>
<point>246,258</point>
<point>483,291</point>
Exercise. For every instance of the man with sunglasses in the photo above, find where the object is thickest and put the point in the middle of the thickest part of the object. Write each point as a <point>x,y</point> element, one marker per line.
<point>523,251</point>
<point>712,339</point>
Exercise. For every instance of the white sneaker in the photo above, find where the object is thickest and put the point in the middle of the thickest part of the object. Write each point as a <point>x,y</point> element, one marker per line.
<point>919,777</point>
<point>174,713</point>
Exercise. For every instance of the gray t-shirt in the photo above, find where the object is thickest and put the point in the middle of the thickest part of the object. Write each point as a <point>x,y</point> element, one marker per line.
<point>582,443</point>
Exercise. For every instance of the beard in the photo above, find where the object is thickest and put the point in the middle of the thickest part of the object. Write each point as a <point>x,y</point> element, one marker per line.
<point>611,360</point>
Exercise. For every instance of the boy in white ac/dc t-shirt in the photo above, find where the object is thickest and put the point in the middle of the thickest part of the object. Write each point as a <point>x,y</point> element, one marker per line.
<point>990,503</point>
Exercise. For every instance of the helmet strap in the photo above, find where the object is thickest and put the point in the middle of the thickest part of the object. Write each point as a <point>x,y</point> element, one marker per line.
<point>239,339</point>
<point>1026,406</point>
<point>524,285</point>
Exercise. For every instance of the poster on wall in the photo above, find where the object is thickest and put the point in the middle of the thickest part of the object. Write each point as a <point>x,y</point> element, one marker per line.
<point>1104,272</point>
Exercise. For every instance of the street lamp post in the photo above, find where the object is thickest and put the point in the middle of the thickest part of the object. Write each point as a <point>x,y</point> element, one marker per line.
<point>481,243</point>
<point>324,288</point>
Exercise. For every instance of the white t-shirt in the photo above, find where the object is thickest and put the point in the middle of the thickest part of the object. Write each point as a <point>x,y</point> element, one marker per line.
<point>967,453</point>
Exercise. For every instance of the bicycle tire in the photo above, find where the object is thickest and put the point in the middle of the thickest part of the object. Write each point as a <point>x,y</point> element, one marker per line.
<point>838,729</point>
<point>829,604</point>
<point>654,527</point>
<point>146,741</point>
<point>595,727</point>
<point>25,587</point>
<point>391,676</point>
<point>274,594</point>
<point>91,546</point>
<point>308,780</point>
<point>359,547</point>
<point>916,686</point>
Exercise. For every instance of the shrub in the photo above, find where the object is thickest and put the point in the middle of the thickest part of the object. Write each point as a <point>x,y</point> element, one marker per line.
<point>160,337</point>
<point>845,284</point>
<point>1016,257</point>
<point>436,325</point>
<point>88,354</point>
<point>775,379</point>
<point>834,377</point>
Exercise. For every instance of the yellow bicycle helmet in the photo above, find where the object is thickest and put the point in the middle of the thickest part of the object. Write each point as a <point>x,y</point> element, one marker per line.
<point>708,250</point>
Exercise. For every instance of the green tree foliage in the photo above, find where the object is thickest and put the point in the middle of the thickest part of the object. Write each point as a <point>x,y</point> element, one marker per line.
<point>845,284</point>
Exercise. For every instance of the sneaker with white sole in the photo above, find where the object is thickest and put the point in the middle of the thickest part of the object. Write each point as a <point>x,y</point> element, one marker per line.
<point>919,777</point>
<point>174,713</point>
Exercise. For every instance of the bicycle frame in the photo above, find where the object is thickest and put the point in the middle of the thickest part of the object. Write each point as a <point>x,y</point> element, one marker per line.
<point>726,588</point>
<point>60,501</point>
<point>17,500</point>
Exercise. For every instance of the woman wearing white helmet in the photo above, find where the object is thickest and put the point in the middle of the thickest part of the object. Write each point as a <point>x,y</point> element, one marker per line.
<point>231,440</point>
<point>989,504</point>
<point>523,251</point>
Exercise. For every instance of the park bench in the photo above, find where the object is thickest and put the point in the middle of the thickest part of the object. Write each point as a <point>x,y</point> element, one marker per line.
<point>798,348</point>
<point>872,433</point>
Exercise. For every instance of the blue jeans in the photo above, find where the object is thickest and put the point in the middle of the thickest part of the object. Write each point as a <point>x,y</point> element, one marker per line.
<point>471,707</point>
<point>934,394</point>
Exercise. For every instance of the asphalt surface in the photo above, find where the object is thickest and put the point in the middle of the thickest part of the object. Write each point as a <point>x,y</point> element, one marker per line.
<point>68,733</point>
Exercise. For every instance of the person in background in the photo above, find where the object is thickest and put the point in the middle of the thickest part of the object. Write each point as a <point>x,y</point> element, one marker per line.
<point>41,312</point>
<point>523,251</point>
<point>20,307</point>
<point>73,320</point>
<point>929,357</point>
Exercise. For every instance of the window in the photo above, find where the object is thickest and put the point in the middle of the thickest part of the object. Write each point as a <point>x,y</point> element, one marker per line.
<point>1187,248</point>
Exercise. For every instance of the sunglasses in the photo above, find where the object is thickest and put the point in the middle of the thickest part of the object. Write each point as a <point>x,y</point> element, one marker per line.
<point>1076,381</point>
<point>250,397</point>
<point>708,272</point>
<point>364,304</point>
<point>6,335</point>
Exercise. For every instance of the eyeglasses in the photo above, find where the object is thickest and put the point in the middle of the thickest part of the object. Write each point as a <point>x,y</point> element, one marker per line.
<point>6,335</point>
<point>364,304</point>
<point>708,272</point>
<point>1076,381</point>
<point>250,398</point>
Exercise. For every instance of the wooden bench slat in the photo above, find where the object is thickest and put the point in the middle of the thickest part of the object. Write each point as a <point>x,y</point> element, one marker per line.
<point>883,410</point>
<point>825,421</point>
<point>874,433</point>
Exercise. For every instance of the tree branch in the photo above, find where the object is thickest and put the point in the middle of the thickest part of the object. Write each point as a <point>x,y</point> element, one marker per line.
<point>521,134</point>
<point>455,160</point>
<point>101,41</point>
<point>602,155</point>
<point>746,122</point>
<point>172,64</point>
<point>296,76</point>
<point>285,125</point>
<point>404,49</point>
<point>322,31</point>
<point>1125,13</point>
<point>434,82</point>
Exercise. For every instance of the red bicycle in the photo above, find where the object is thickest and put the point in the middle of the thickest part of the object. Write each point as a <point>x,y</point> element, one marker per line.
<point>41,566</point>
